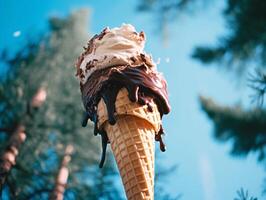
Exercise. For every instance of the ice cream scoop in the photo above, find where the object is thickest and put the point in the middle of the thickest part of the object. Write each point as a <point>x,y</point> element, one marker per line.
<point>113,47</point>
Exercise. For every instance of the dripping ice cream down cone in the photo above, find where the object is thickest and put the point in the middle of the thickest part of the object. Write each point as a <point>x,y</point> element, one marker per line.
<point>125,97</point>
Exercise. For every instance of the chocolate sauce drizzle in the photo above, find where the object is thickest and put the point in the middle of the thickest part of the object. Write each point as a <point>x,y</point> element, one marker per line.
<point>142,84</point>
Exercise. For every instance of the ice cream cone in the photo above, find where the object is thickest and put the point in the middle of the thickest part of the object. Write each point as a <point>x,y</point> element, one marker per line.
<point>132,142</point>
<point>114,70</point>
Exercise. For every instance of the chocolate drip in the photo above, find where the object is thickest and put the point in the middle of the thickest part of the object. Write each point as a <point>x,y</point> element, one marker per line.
<point>96,130</point>
<point>109,97</point>
<point>150,83</point>
<point>104,146</point>
<point>158,137</point>
<point>85,119</point>
<point>141,83</point>
<point>133,95</point>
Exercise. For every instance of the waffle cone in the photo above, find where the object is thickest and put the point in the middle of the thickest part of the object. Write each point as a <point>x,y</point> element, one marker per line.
<point>132,142</point>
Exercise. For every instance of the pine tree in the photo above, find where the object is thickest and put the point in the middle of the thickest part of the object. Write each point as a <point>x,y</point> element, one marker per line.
<point>48,62</point>
<point>245,128</point>
<point>239,51</point>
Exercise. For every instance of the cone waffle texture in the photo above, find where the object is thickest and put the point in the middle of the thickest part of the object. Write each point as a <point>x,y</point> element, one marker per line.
<point>132,142</point>
<point>123,106</point>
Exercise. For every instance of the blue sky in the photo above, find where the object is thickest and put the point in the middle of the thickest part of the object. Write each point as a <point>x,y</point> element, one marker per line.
<point>206,170</point>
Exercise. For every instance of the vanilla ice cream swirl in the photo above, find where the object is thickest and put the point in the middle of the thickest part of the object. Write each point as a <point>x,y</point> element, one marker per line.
<point>113,47</point>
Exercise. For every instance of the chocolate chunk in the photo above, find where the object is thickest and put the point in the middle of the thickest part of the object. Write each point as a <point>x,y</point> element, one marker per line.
<point>142,35</point>
<point>133,59</point>
<point>143,58</point>
<point>89,65</point>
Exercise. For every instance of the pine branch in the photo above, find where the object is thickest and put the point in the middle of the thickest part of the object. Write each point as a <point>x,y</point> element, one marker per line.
<point>257,82</point>
<point>243,195</point>
<point>245,40</point>
<point>247,129</point>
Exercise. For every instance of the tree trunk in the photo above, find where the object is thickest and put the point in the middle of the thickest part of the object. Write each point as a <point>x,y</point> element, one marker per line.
<point>62,175</point>
<point>8,158</point>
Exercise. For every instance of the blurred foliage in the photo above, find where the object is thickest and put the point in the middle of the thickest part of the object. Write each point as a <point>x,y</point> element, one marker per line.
<point>239,51</point>
<point>246,41</point>
<point>243,195</point>
<point>244,46</point>
<point>168,11</point>
<point>246,129</point>
<point>165,11</point>
<point>49,62</point>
